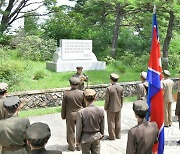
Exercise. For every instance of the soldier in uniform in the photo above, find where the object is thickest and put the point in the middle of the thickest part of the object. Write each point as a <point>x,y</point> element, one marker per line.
<point>168,98</point>
<point>3,91</point>
<point>82,77</point>
<point>142,88</point>
<point>37,136</point>
<point>90,125</point>
<point>12,129</point>
<point>177,110</point>
<point>144,135</point>
<point>113,105</point>
<point>73,101</point>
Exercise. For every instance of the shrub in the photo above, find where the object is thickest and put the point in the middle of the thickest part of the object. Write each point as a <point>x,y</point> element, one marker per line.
<point>5,40</point>
<point>37,49</point>
<point>39,75</point>
<point>109,60</point>
<point>119,66</point>
<point>4,52</point>
<point>11,72</point>
<point>174,60</point>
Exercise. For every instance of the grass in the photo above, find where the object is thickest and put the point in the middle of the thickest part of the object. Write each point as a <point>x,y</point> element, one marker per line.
<point>39,111</point>
<point>61,79</point>
<point>50,110</point>
<point>58,80</point>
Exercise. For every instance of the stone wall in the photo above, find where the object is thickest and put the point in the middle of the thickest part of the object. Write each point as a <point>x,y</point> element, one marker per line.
<point>53,97</point>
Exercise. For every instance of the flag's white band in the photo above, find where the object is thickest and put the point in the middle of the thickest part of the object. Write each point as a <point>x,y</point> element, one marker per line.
<point>161,128</point>
<point>154,70</point>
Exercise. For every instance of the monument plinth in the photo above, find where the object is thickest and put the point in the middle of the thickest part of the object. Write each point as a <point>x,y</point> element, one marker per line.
<point>73,53</point>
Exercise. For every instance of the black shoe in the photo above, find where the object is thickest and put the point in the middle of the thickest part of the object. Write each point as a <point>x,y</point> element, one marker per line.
<point>178,142</point>
<point>166,126</point>
<point>108,138</point>
<point>78,148</point>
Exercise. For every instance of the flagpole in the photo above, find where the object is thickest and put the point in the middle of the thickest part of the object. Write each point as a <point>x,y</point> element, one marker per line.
<point>154,9</point>
<point>155,91</point>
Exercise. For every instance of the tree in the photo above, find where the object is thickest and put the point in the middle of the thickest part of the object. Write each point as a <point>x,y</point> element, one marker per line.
<point>12,10</point>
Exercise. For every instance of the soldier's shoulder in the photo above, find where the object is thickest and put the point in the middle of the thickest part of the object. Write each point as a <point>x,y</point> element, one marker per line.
<point>20,119</point>
<point>133,130</point>
<point>53,152</point>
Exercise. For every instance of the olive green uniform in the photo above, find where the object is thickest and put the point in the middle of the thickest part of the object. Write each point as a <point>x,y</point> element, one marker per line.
<point>12,135</point>
<point>90,129</point>
<point>73,101</point>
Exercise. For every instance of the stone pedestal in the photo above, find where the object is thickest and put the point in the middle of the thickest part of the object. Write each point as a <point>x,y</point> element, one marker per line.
<point>73,53</point>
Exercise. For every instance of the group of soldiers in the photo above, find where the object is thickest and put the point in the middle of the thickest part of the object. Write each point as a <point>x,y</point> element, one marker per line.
<point>84,121</point>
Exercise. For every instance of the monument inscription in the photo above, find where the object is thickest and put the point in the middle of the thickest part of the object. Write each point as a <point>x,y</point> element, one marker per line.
<point>76,49</point>
<point>73,53</point>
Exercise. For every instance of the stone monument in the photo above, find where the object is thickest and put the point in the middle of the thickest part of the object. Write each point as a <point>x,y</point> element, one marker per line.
<point>73,53</point>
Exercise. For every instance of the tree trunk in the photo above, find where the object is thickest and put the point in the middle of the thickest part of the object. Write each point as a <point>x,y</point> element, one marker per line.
<point>116,31</point>
<point>5,17</point>
<point>167,40</point>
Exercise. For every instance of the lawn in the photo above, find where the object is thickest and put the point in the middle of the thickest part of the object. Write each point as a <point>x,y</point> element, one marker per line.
<point>49,79</point>
<point>50,110</point>
<point>58,80</point>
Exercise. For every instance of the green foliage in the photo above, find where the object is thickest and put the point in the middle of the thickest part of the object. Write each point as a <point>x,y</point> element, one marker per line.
<point>109,60</point>
<point>30,24</point>
<point>35,48</point>
<point>11,72</point>
<point>128,42</point>
<point>119,66</point>
<point>174,60</point>
<point>5,40</point>
<point>4,52</point>
<point>39,75</point>
<point>138,64</point>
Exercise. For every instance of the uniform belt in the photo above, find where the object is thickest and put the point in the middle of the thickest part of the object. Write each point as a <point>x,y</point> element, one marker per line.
<point>91,132</point>
<point>13,148</point>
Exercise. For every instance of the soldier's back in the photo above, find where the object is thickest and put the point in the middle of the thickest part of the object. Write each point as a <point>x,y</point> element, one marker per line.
<point>12,131</point>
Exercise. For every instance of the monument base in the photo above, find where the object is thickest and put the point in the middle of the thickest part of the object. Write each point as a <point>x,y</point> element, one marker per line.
<point>65,66</point>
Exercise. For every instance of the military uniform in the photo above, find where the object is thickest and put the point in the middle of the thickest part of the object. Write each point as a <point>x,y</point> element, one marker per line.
<point>144,135</point>
<point>38,134</point>
<point>142,88</point>
<point>90,126</point>
<point>168,98</point>
<point>12,130</point>
<point>113,105</point>
<point>177,110</point>
<point>142,91</point>
<point>3,113</point>
<point>73,101</point>
<point>82,77</point>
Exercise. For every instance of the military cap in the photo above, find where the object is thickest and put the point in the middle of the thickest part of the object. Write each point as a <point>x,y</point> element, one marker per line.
<point>89,92</point>
<point>143,74</point>
<point>11,103</point>
<point>140,106</point>
<point>79,67</point>
<point>38,133</point>
<point>74,80</point>
<point>3,86</point>
<point>114,76</point>
<point>166,72</point>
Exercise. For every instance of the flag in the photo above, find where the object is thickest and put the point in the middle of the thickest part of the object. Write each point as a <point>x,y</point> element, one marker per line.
<point>155,91</point>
